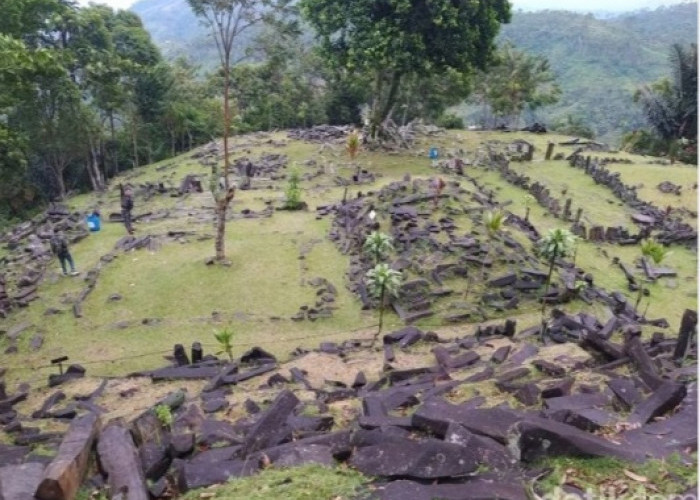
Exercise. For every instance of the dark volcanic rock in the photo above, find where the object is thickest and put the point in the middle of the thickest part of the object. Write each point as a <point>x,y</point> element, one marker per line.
<point>474,489</point>
<point>427,459</point>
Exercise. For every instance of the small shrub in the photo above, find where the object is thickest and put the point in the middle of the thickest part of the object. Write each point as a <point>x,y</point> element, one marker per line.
<point>164,415</point>
<point>224,338</point>
<point>293,192</point>
<point>352,145</point>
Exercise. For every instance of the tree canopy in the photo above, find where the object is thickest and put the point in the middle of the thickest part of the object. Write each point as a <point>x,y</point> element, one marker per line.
<point>392,39</point>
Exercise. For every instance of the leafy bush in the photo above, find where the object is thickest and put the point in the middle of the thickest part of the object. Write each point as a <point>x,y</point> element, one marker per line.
<point>450,121</point>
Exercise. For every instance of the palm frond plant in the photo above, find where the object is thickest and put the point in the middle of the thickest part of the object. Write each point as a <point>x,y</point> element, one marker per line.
<point>378,245</point>
<point>555,244</point>
<point>224,338</point>
<point>382,280</point>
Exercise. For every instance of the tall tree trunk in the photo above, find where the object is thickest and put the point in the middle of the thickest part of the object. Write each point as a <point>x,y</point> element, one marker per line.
<point>134,139</point>
<point>58,173</point>
<point>220,230</point>
<point>222,204</point>
<point>93,167</point>
<point>113,138</point>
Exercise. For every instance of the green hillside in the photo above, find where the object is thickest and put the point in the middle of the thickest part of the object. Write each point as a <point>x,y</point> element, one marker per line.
<point>138,296</point>
<point>598,62</point>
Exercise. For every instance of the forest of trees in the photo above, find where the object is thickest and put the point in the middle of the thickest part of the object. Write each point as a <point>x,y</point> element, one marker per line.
<point>85,93</point>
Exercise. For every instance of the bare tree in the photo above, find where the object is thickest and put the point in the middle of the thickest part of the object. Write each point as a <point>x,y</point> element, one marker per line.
<point>228,20</point>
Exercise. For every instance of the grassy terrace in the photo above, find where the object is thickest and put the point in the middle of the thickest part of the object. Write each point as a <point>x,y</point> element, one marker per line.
<point>170,296</point>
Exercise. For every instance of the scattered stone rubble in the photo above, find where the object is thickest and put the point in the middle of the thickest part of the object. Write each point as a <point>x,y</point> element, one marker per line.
<point>469,423</point>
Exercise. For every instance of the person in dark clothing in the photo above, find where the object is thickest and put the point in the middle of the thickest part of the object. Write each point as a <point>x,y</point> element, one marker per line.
<point>127,201</point>
<point>59,247</point>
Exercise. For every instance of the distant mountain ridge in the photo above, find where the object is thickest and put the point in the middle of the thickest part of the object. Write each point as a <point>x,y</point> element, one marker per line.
<point>598,62</point>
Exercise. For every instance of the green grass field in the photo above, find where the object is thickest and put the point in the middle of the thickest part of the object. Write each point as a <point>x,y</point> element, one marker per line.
<point>169,296</point>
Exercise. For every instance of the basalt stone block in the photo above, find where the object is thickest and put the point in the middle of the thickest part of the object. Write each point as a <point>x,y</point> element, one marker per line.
<point>513,374</point>
<point>548,368</point>
<point>360,380</point>
<point>216,432</point>
<point>474,489</point>
<point>537,437</point>
<point>154,460</point>
<point>577,401</point>
<point>625,391</point>
<point>305,454</point>
<point>500,354</point>
<point>258,356</point>
<point>200,474</point>
<point>436,415</point>
<point>490,451</point>
<point>528,394</point>
<point>525,352</point>
<point>558,389</point>
<point>505,280</point>
<point>428,459</point>
<point>398,335</point>
<point>484,374</point>
<point>590,419</point>
<point>181,444</point>
<point>299,423</point>
<point>19,482</point>
<point>664,398</point>
<point>384,422</point>
<point>264,432</point>
<point>214,404</point>
<point>11,455</point>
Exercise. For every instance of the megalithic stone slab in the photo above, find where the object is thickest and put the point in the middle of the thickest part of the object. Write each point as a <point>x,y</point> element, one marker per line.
<point>539,437</point>
<point>484,374</point>
<point>19,482</point>
<point>436,415</point>
<point>265,431</point>
<point>120,461</point>
<point>558,389</point>
<point>205,473</point>
<point>666,397</point>
<point>625,391</point>
<point>647,369</point>
<point>64,474</point>
<point>429,459</point>
<point>689,323</point>
<point>491,453</point>
<point>474,489</point>
<point>577,401</point>
<point>608,349</point>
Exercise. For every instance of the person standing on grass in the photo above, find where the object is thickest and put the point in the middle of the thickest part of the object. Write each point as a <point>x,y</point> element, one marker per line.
<point>59,247</point>
<point>127,201</point>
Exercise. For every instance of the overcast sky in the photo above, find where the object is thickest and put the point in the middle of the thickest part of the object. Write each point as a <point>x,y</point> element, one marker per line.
<point>578,5</point>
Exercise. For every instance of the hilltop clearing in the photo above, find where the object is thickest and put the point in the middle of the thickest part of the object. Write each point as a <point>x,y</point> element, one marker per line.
<point>464,330</point>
